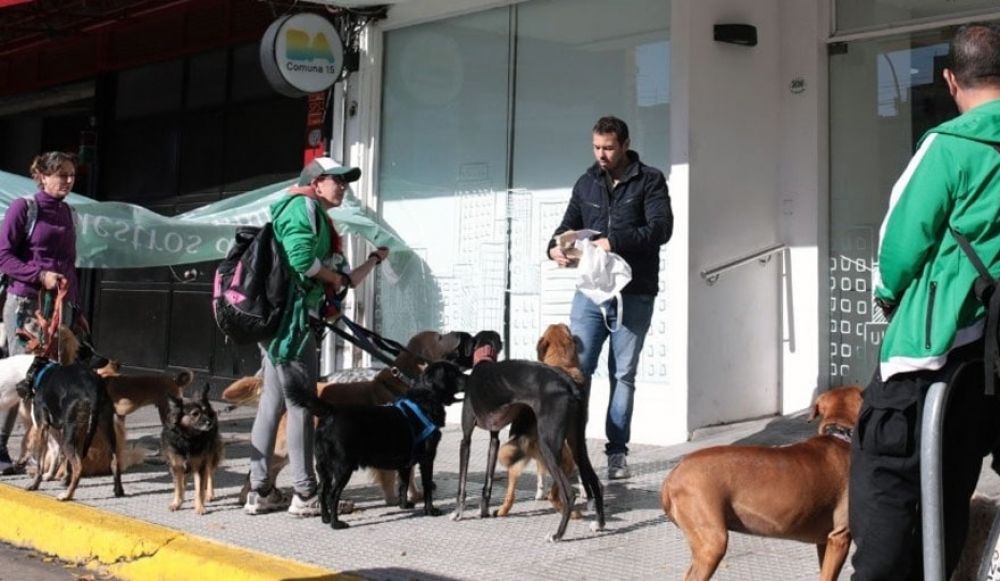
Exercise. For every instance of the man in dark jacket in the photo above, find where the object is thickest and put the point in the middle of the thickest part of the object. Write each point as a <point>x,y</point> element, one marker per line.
<point>627,203</point>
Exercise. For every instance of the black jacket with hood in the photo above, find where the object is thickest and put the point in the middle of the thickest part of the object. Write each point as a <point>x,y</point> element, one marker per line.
<point>635,217</point>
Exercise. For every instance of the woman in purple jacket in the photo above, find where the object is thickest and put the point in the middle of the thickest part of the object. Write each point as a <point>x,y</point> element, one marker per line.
<point>37,251</point>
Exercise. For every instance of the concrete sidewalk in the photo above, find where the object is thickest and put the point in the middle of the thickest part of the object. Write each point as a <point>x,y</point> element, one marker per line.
<point>386,542</point>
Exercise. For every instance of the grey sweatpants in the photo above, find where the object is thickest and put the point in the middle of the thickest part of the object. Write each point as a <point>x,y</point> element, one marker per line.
<point>20,312</point>
<point>300,425</point>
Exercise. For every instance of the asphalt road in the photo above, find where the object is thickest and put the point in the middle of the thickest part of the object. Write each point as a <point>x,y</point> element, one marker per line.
<point>25,565</point>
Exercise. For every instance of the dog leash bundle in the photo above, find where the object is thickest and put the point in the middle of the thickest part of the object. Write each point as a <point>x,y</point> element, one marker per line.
<point>371,341</point>
<point>50,331</point>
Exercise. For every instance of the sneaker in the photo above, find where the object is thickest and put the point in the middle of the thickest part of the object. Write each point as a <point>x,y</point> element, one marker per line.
<point>618,467</point>
<point>259,503</point>
<point>304,506</point>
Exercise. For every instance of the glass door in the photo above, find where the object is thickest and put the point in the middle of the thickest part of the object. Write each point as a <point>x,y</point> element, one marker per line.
<point>884,95</point>
<point>486,125</point>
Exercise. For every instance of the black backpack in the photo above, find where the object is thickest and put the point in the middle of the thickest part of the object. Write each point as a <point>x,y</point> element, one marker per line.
<point>985,289</point>
<point>251,287</point>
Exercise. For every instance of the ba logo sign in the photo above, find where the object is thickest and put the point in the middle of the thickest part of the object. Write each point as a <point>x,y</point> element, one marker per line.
<point>301,54</point>
<point>300,46</point>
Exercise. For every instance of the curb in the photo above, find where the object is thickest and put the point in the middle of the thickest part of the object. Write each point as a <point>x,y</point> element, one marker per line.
<point>131,549</point>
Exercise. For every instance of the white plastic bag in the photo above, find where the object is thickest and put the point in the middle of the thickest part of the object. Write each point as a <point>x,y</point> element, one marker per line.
<point>601,276</point>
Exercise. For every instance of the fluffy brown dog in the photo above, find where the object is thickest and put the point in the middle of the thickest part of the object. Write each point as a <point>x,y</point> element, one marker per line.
<point>384,388</point>
<point>796,492</point>
<point>556,347</point>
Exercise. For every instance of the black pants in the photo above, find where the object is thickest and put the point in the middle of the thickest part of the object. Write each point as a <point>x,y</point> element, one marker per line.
<point>885,466</point>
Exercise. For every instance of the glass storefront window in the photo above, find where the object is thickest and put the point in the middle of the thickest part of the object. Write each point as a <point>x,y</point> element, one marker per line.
<point>884,94</point>
<point>476,166</point>
<point>855,14</point>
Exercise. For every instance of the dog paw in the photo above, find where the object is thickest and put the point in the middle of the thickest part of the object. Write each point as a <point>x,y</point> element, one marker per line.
<point>345,507</point>
<point>391,501</point>
<point>434,511</point>
<point>456,516</point>
<point>406,504</point>
<point>540,494</point>
<point>174,506</point>
<point>552,538</point>
<point>66,496</point>
<point>501,512</point>
<point>596,527</point>
<point>200,509</point>
<point>339,524</point>
<point>119,492</point>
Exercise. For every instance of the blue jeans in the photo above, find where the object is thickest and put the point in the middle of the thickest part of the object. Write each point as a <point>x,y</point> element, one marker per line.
<point>587,323</point>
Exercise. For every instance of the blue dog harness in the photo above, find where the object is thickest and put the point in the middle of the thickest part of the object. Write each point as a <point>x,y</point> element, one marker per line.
<point>41,374</point>
<point>421,427</point>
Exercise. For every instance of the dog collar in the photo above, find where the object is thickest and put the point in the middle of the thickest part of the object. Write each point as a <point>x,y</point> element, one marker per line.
<point>840,432</point>
<point>411,410</point>
<point>41,374</point>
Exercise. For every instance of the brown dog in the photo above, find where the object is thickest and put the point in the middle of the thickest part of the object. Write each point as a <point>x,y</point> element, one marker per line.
<point>131,392</point>
<point>385,387</point>
<point>556,347</point>
<point>796,492</point>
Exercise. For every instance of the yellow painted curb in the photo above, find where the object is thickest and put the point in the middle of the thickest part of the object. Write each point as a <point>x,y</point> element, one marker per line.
<point>132,549</point>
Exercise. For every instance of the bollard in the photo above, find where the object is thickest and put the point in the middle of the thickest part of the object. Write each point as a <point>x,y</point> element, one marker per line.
<point>932,510</point>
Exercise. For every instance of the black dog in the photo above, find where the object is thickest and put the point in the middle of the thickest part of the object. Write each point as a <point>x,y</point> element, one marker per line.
<point>70,403</point>
<point>498,393</point>
<point>191,444</point>
<point>390,437</point>
<point>462,356</point>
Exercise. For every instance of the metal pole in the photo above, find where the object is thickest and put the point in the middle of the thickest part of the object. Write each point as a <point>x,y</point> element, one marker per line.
<point>931,487</point>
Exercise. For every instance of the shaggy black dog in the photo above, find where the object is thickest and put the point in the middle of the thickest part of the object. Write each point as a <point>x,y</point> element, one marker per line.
<point>191,445</point>
<point>390,437</point>
<point>70,403</point>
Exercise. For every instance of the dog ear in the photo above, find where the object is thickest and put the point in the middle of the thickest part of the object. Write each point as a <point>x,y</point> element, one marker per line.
<point>816,411</point>
<point>542,346</point>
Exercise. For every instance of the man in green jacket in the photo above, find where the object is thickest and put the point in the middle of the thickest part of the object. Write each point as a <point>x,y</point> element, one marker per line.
<point>925,287</point>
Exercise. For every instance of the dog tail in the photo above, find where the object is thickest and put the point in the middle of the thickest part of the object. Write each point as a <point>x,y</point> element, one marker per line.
<point>243,391</point>
<point>95,413</point>
<point>184,378</point>
<point>306,396</point>
<point>512,452</point>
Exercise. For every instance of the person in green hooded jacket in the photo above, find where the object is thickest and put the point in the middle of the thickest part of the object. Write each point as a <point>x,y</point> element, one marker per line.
<point>935,332</point>
<point>311,249</point>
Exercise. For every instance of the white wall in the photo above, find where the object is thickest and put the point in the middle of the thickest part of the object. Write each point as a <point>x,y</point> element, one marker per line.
<point>748,167</point>
<point>733,341</point>
<point>801,198</point>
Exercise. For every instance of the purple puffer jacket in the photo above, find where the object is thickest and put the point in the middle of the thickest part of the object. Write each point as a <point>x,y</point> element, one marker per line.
<point>52,245</point>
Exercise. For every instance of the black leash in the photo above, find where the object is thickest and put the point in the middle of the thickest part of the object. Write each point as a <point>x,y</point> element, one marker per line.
<point>372,342</point>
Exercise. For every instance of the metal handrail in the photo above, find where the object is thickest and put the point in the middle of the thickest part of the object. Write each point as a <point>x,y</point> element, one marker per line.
<point>932,472</point>
<point>712,275</point>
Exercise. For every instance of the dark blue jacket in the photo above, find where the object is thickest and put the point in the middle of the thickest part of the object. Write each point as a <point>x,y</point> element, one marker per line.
<point>635,217</point>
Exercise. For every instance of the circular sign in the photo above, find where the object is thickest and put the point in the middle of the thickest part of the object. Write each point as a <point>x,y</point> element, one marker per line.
<point>301,54</point>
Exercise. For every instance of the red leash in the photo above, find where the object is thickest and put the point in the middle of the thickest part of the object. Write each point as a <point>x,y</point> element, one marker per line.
<point>50,333</point>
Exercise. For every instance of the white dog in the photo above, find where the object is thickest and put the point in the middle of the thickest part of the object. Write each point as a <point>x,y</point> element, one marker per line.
<point>13,370</point>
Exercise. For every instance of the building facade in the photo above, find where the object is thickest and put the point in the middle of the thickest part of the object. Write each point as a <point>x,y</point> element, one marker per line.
<point>471,121</point>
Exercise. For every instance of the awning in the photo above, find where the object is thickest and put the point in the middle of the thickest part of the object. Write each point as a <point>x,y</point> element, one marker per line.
<point>120,235</point>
